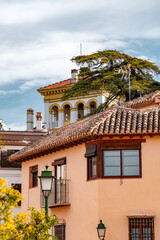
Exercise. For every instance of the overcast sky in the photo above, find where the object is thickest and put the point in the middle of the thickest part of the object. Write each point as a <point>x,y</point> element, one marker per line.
<point>38,39</point>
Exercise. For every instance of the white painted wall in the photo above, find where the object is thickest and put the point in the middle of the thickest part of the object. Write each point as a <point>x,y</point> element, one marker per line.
<point>12,176</point>
<point>12,147</point>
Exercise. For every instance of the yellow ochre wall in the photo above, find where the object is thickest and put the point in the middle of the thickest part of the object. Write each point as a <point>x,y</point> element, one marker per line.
<point>108,199</point>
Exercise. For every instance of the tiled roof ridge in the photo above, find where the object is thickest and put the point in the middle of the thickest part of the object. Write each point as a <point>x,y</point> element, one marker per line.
<point>146,98</point>
<point>115,121</point>
<point>53,84</point>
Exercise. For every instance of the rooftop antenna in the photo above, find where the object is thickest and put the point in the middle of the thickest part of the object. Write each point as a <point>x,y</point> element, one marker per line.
<point>80,49</point>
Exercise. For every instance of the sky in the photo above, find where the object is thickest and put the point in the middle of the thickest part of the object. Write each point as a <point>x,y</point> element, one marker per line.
<point>38,38</point>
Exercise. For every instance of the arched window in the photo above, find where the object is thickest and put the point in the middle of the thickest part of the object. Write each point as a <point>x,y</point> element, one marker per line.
<point>55,117</point>
<point>55,114</point>
<point>92,106</point>
<point>66,112</point>
<point>80,110</point>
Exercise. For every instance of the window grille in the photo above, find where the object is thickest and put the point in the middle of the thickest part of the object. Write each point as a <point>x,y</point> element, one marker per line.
<point>60,231</point>
<point>141,228</point>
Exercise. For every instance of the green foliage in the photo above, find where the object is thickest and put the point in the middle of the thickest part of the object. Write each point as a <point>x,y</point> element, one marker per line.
<point>110,70</point>
<point>33,226</point>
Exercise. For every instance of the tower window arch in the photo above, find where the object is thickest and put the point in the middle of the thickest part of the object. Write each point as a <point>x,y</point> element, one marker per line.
<point>66,112</point>
<point>92,106</point>
<point>80,110</point>
<point>55,114</point>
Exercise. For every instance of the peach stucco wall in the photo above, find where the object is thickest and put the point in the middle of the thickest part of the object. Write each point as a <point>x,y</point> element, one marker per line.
<point>83,197</point>
<point>108,199</point>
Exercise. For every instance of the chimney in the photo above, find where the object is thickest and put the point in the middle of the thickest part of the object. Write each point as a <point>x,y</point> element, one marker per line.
<point>1,124</point>
<point>39,121</point>
<point>74,75</point>
<point>30,113</point>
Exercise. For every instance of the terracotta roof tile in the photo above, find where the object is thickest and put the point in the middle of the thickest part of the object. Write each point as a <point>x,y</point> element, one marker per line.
<point>116,121</point>
<point>61,84</point>
<point>146,100</point>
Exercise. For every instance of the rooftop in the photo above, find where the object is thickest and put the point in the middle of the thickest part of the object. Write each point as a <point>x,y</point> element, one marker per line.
<point>61,84</point>
<point>144,101</point>
<point>116,121</point>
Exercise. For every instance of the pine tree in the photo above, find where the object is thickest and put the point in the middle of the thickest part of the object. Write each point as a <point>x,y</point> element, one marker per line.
<point>110,71</point>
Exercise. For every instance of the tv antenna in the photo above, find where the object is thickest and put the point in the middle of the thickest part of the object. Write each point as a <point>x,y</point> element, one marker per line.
<point>80,49</point>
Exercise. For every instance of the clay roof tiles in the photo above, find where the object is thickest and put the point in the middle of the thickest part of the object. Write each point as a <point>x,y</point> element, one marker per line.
<point>61,84</point>
<point>144,101</point>
<point>116,121</point>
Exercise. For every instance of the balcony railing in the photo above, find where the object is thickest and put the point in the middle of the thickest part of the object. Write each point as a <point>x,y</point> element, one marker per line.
<point>54,124</point>
<point>59,195</point>
<point>66,122</point>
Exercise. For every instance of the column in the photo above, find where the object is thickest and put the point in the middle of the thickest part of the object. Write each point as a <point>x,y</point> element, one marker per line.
<point>61,118</point>
<point>86,111</point>
<point>73,115</point>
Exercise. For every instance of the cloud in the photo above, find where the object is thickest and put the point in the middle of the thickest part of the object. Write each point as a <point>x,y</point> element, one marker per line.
<point>38,38</point>
<point>17,126</point>
<point>6,92</point>
<point>48,60</point>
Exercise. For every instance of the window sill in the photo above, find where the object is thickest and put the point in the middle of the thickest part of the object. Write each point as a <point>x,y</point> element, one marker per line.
<point>92,179</point>
<point>60,205</point>
<point>120,177</point>
<point>33,187</point>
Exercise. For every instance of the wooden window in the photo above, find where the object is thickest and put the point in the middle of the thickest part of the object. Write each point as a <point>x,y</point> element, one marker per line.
<point>114,158</point>
<point>59,161</point>
<point>60,231</point>
<point>121,163</point>
<point>92,167</point>
<point>33,176</point>
<point>141,228</point>
<point>91,152</point>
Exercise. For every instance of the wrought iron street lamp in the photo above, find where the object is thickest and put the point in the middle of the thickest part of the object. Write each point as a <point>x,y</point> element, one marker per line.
<point>46,180</point>
<point>101,230</point>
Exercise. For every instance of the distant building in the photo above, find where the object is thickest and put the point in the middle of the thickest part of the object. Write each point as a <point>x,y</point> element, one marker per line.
<point>58,113</point>
<point>11,142</point>
<point>151,100</point>
<point>2,126</point>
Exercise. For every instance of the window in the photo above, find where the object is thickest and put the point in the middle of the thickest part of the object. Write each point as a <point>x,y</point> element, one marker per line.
<point>91,152</point>
<point>141,228</point>
<point>33,176</point>
<point>4,163</point>
<point>80,110</point>
<point>121,163</point>
<point>92,106</point>
<point>61,183</point>
<point>60,231</point>
<point>92,167</point>
<point>119,158</point>
<point>67,112</point>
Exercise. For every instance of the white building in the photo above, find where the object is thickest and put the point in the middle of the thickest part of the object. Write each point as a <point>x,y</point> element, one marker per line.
<point>58,113</point>
<point>11,142</point>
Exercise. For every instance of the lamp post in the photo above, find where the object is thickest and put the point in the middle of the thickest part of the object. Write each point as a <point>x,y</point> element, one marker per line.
<point>101,230</point>
<point>46,180</point>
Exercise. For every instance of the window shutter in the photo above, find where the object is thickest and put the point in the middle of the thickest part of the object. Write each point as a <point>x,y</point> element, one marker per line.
<point>60,161</point>
<point>91,151</point>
